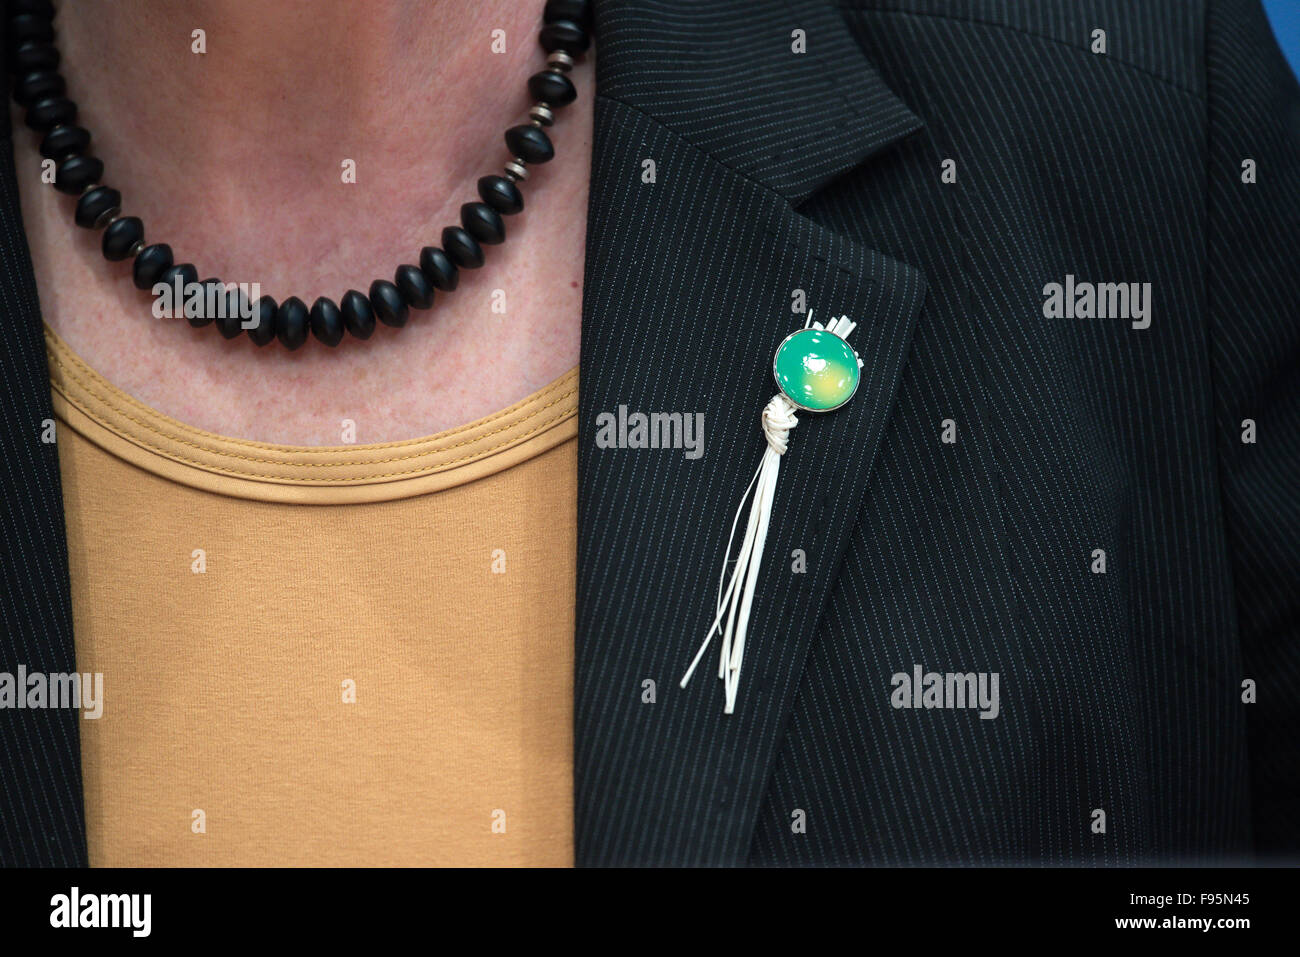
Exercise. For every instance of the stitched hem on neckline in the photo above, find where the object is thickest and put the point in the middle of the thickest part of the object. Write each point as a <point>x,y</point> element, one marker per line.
<point>131,430</point>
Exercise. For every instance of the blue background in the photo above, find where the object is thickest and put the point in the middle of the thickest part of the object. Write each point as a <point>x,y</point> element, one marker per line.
<point>1285,16</point>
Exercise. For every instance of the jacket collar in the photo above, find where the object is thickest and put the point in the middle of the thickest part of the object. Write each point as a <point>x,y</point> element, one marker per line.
<point>776,90</point>
<point>689,284</point>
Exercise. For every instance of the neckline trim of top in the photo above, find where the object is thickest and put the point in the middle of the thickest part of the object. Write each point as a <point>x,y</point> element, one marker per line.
<point>307,475</point>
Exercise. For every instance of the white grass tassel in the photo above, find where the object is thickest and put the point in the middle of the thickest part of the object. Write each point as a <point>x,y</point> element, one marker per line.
<point>736,595</point>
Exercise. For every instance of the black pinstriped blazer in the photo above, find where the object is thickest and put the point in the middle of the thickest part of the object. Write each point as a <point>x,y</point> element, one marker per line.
<point>823,171</point>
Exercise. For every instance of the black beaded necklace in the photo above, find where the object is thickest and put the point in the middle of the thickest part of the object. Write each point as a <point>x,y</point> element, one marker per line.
<point>40,89</point>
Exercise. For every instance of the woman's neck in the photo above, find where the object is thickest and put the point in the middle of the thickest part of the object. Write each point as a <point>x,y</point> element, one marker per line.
<point>237,158</point>
<point>250,138</point>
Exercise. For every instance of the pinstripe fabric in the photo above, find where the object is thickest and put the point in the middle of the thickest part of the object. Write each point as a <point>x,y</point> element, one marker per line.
<point>1121,689</point>
<point>688,286</point>
<point>820,171</point>
<point>652,523</point>
<point>41,816</point>
<point>721,75</point>
<point>1102,436</point>
<point>1254,234</point>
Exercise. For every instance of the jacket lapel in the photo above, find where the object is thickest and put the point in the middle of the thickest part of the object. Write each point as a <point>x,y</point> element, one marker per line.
<point>690,279</point>
<point>41,819</point>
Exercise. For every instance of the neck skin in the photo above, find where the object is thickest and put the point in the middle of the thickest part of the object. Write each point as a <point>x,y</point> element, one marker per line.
<point>234,158</point>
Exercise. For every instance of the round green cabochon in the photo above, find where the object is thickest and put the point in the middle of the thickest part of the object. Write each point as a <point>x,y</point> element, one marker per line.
<point>816,370</point>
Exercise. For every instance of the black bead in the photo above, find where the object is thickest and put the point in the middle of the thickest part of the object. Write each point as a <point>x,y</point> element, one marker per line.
<point>121,236</point>
<point>564,35</point>
<point>463,248</point>
<point>501,194</point>
<point>438,268</point>
<point>578,11</point>
<point>231,324</point>
<point>75,173</point>
<point>483,223</point>
<point>390,308</point>
<point>214,291</point>
<point>201,312</point>
<point>29,26</point>
<point>529,144</point>
<point>326,321</point>
<point>44,115</point>
<point>150,263</point>
<point>358,316</point>
<point>291,321</point>
<point>188,275</point>
<point>98,206</point>
<point>40,85</point>
<point>64,141</point>
<point>34,55</point>
<point>554,89</point>
<point>264,331</point>
<point>416,290</point>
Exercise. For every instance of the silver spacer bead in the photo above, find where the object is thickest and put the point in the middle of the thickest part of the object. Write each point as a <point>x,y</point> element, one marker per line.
<point>542,115</point>
<point>135,249</point>
<point>516,170</point>
<point>559,61</point>
<point>107,216</point>
<point>88,187</point>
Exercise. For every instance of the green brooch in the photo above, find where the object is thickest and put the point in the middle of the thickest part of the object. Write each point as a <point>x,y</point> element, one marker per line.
<point>816,370</point>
